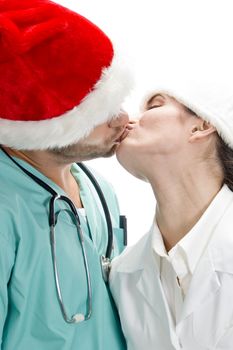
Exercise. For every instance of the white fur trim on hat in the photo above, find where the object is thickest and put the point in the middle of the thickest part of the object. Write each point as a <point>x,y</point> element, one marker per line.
<point>100,105</point>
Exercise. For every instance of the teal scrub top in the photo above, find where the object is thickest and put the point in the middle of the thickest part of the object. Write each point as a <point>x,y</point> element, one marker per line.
<point>30,314</point>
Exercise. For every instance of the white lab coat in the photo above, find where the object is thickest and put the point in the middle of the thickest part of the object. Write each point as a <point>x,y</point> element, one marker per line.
<point>206,321</point>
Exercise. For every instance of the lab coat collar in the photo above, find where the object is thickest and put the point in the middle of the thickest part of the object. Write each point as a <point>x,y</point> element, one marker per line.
<point>217,258</point>
<point>221,247</point>
<point>150,276</point>
<point>205,281</point>
<point>139,256</point>
<point>142,260</point>
<point>204,284</point>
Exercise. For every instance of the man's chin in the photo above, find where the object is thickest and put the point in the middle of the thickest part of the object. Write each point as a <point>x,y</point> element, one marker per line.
<point>103,153</point>
<point>111,152</point>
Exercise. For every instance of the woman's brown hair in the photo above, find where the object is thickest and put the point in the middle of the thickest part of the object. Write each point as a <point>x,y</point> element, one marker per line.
<point>225,155</point>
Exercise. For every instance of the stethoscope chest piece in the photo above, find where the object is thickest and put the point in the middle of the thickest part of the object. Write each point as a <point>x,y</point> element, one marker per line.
<point>105,264</point>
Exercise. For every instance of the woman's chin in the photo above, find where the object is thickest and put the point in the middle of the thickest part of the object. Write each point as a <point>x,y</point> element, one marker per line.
<point>122,150</point>
<point>125,159</point>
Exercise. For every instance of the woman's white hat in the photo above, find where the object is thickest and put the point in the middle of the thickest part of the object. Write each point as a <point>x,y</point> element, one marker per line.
<point>208,94</point>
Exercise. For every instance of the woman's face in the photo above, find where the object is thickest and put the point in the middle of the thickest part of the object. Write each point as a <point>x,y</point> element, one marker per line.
<point>162,131</point>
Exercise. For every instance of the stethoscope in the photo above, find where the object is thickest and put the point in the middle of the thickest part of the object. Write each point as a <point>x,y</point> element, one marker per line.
<point>105,260</point>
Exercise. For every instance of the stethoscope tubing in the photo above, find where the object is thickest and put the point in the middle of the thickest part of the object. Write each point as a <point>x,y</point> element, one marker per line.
<point>98,190</point>
<point>104,259</point>
<point>77,317</point>
<point>105,208</point>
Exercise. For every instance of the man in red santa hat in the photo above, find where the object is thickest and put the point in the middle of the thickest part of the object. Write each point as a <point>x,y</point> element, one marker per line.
<point>61,89</point>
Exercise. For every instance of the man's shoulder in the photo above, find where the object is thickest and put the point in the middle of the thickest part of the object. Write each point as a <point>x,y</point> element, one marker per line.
<point>102,181</point>
<point>105,185</point>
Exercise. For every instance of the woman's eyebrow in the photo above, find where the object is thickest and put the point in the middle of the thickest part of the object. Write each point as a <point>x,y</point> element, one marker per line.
<point>154,97</point>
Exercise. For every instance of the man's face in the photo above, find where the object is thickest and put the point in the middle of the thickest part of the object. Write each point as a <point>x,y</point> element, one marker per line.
<point>101,142</point>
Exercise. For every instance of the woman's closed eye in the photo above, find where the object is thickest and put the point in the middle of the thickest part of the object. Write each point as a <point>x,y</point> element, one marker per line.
<point>154,106</point>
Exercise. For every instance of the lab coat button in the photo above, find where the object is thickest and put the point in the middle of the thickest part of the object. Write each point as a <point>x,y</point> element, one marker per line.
<point>181,346</point>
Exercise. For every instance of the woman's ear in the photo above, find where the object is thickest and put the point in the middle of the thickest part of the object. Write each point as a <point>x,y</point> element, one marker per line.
<point>201,131</point>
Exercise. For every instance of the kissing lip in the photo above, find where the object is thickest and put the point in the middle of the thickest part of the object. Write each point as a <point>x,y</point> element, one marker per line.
<point>122,136</point>
<point>130,126</point>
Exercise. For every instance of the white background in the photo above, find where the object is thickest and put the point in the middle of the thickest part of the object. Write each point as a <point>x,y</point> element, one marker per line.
<point>158,37</point>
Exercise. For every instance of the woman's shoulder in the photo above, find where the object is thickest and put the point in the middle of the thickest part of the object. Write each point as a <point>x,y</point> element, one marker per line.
<point>132,257</point>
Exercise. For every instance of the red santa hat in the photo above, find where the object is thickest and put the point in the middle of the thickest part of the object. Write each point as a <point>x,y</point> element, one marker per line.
<point>59,75</point>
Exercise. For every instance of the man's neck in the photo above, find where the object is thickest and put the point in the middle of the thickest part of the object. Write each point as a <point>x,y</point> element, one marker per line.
<point>59,173</point>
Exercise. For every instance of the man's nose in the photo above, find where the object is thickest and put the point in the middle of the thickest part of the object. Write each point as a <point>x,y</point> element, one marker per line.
<point>120,120</point>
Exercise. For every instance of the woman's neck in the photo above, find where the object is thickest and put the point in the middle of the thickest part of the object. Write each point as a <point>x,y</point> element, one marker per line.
<point>182,197</point>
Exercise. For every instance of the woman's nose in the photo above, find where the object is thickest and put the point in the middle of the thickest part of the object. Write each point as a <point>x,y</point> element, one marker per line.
<point>120,120</point>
